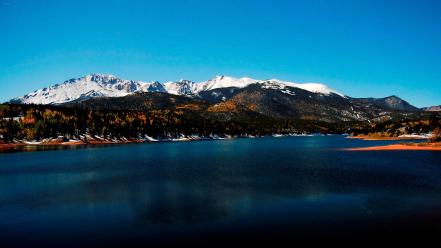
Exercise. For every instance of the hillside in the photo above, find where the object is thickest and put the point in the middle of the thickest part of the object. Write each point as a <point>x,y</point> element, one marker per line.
<point>267,98</point>
<point>108,107</point>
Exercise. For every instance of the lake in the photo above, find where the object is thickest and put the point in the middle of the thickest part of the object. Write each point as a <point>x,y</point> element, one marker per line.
<point>239,190</point>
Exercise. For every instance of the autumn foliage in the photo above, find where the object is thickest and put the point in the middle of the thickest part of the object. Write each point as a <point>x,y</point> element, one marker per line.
<point>436,135</point>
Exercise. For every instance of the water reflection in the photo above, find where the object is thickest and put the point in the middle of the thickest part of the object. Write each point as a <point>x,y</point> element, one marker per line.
<point>152,186</point>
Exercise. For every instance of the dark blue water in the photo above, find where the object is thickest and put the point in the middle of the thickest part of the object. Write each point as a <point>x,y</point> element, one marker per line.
<point>242,189</point>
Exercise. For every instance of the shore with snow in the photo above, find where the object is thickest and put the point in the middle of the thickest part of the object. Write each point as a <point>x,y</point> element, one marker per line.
<point>97,140</point>
<point>401,137</point>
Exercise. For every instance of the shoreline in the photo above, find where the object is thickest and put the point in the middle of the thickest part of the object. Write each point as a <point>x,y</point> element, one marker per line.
<point>377,138</point>
<point>6,147</point>
<point>13,146</point>
<point>424,146</point>
<point>401,147</point>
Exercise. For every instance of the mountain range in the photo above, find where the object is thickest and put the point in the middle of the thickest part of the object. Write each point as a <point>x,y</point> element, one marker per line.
<point>273,98</point>
<point>102,85</point>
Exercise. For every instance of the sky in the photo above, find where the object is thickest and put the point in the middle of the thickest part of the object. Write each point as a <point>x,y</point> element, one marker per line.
<point>361,48</point>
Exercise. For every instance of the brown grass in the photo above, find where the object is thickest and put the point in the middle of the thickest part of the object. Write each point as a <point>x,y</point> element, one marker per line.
<point>223,107</point>
<point>190,106</point>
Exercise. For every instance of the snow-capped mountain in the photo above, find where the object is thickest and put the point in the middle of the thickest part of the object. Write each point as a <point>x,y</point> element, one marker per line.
<point>94,85</point>
<point>102,85</point>
<point>185,87</point>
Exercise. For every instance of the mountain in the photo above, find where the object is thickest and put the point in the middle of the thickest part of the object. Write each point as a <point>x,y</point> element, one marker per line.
<point>140,102</point>
<point>432,108</point>
<point>388,103</point>
<point>101,85</point>
<point>106,106</point>
<point>282,101</point>
<point>94,85</point>
<point>287,102</point>
<point>221,94</point>
<point>267,99</point>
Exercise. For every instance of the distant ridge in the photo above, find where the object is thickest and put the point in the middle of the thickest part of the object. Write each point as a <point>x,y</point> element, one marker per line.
<point>433,109</point>
<point>391,103</point>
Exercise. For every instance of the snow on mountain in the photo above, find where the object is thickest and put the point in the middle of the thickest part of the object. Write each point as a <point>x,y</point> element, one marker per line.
<point>314,87</point>
<point>185,87</point>
<point>182,87</point>
<point>225,82</point>
<point>102,85</point>
<point>94,85</point>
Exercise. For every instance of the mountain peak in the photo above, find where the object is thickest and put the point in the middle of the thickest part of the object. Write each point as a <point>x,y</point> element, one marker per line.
<point>393,97</point>
<point>102,78</point>
<point>392,102</point>
<point>184,81</point>
<point>95,76</point>
<point>221,78</point>
<point>218,77</point>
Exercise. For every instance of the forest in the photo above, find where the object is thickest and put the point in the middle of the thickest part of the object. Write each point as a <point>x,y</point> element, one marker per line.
<point>393,128</point>
<point>36,122</point>
<point>20,122</point>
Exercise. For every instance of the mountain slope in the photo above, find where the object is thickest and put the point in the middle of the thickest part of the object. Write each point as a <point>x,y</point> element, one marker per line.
<point>101,85</point>
<point>140,102</point>
<point>393,103</point>
<point>291,102</point>
<point>433,109</point>
<point>94,85</point>
<point>264,99</point>
<point>271,98</point>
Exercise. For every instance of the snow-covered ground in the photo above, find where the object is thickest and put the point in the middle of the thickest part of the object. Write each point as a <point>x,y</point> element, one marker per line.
<point>94,139</point>
<point>416,136</point>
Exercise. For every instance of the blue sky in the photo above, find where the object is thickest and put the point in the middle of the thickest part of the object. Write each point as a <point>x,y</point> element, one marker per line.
<point>360,48</point>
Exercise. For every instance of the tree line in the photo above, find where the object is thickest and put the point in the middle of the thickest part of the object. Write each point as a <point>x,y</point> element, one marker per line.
<point>394,128</point>
<point>35,122</point>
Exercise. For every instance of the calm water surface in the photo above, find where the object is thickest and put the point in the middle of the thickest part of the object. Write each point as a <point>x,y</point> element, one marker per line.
<point>302,187</point>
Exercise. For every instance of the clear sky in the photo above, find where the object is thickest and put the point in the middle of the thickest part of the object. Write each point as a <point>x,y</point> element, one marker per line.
<point>360,48</point>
